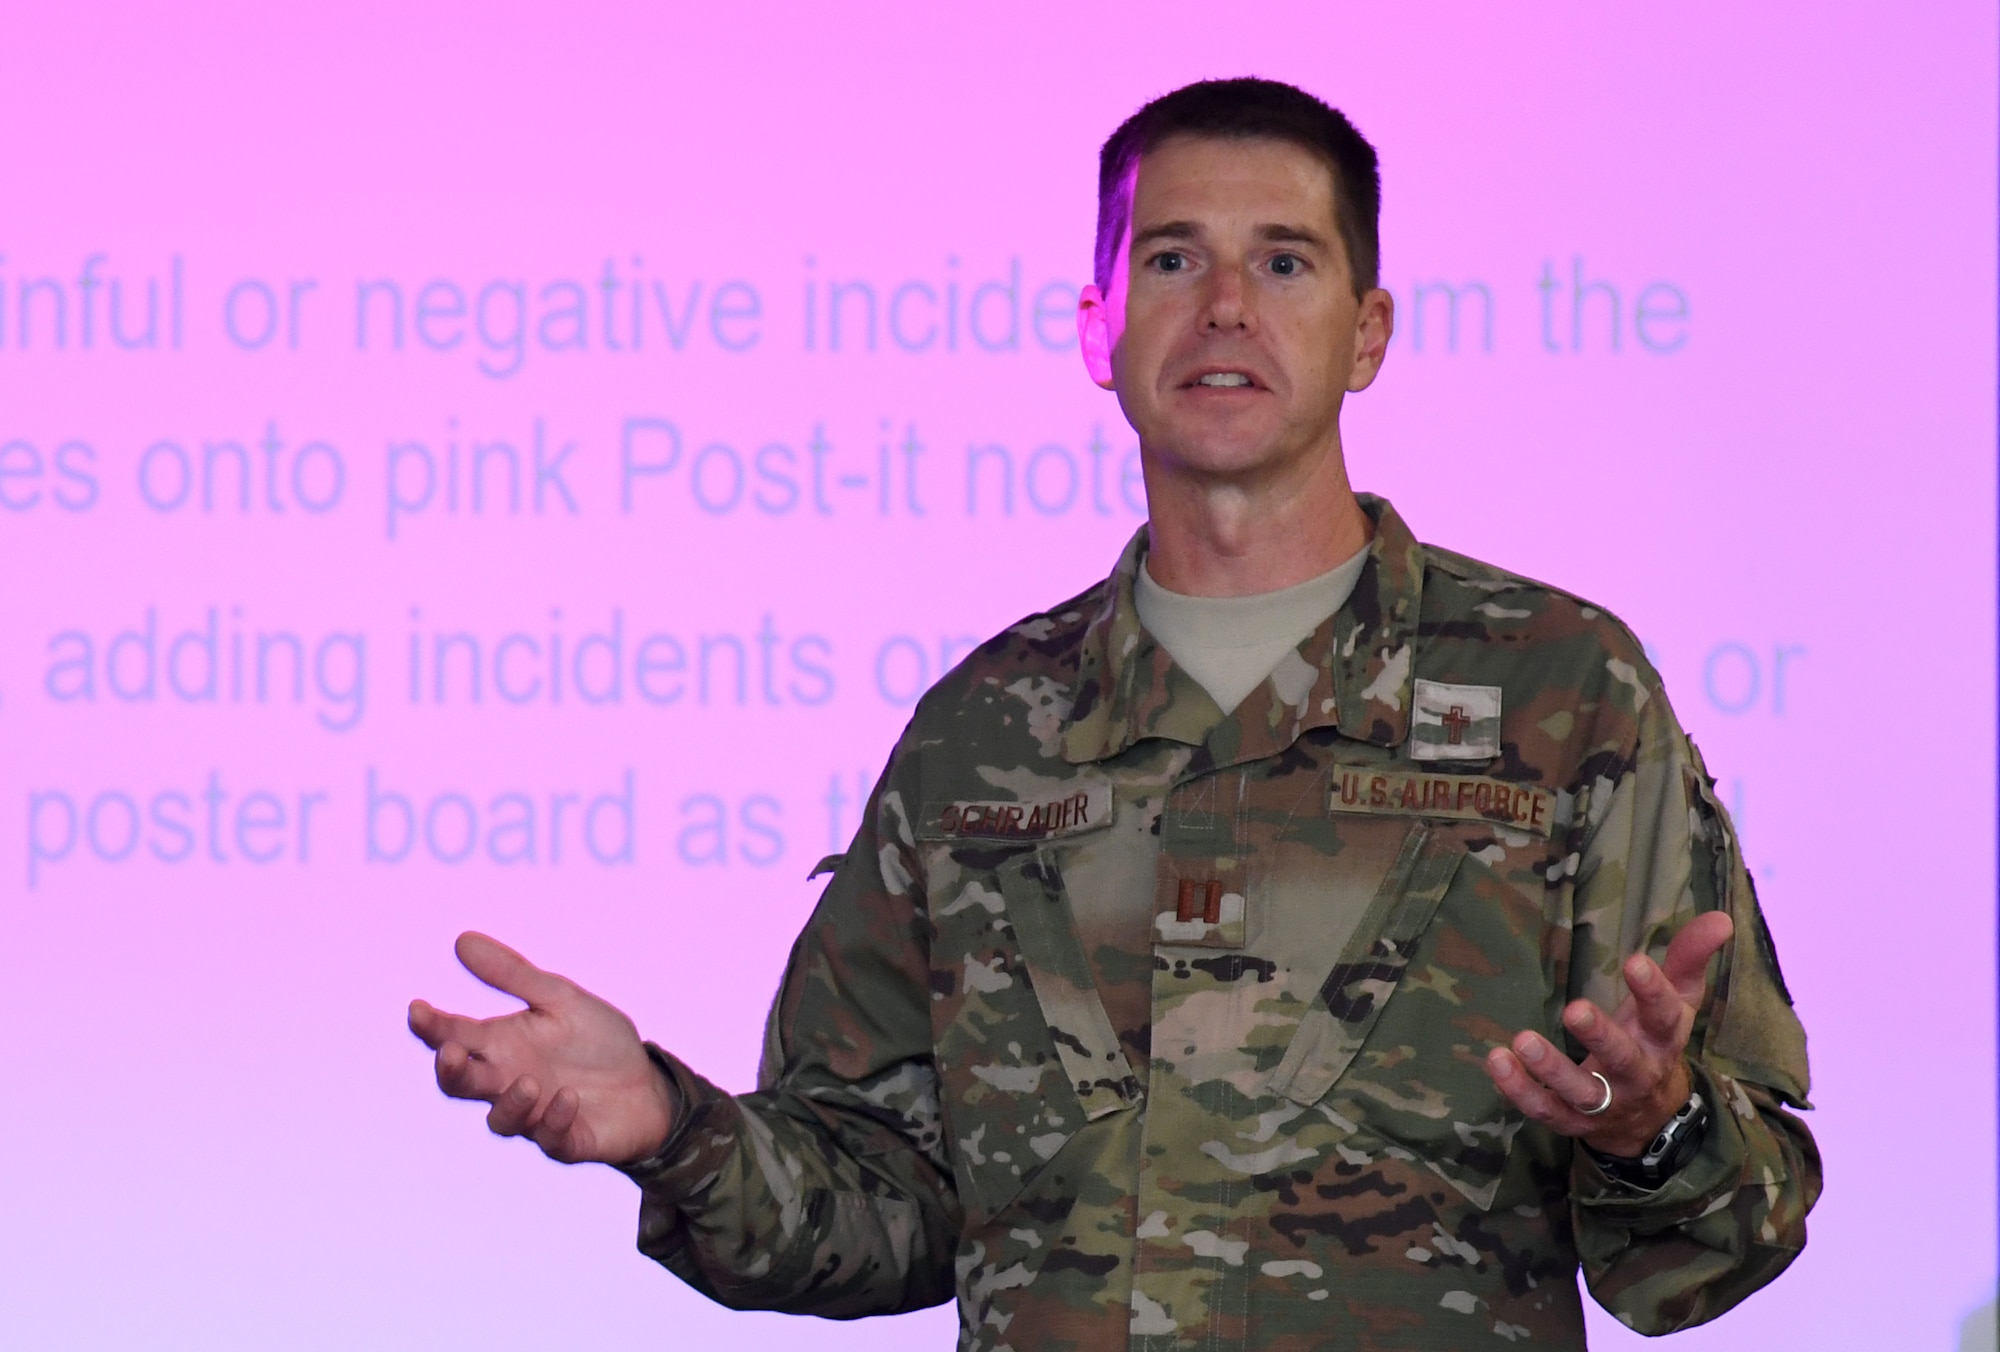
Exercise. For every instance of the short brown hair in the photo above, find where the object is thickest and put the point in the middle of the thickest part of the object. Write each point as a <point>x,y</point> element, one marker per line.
<point>1245,109</point>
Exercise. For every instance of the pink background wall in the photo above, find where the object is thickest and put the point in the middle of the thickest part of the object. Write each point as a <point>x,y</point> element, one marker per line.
<point>214,1131</point>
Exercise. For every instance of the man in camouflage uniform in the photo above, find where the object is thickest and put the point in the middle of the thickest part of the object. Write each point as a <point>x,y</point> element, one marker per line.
<point>1129,1021</point>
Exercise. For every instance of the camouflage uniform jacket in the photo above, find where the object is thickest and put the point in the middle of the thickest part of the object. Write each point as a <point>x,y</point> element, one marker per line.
<point>1126,1023</point>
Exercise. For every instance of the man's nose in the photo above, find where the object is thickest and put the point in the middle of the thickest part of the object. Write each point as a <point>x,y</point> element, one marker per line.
<point>1227,302</point>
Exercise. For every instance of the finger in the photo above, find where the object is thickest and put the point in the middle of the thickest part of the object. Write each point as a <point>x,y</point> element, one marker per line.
<point>1531,1096</point>
<point>1687,956</point>
<point>1663,1016</point>
<point>434,1027</point>
<point>503,969</point>
<point>554,1134</point>
<point>513,1111</point>
<point>1617,1054</point>
<point>462,1074</point>
<point>1571,1083</point>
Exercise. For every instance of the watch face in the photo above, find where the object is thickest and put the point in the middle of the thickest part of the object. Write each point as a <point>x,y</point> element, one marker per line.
<point>1678,1140</point>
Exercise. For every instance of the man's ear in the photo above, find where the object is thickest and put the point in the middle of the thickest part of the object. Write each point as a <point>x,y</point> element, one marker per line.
<point>1374,326</point>
<point>1095,335</point>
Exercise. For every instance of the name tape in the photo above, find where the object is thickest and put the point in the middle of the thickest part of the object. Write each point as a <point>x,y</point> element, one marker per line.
<point>1410,793</point>
<point>1083,809</point>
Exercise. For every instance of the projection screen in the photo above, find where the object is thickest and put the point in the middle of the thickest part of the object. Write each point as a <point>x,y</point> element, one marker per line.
<point>515,468</point>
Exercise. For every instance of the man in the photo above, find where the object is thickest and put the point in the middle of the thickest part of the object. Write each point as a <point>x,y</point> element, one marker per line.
<point>1306,937</point>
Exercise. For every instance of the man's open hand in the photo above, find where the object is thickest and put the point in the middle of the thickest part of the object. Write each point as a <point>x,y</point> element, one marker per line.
<point>568,1072</point>
<point>1639,1050</point>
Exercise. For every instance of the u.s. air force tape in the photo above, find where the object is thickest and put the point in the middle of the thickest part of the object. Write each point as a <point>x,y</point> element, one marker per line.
<point>1411,793</point>
<point>1082,808</point>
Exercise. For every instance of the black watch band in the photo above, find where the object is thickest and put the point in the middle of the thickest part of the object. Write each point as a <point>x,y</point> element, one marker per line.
<point>1673,1147</point>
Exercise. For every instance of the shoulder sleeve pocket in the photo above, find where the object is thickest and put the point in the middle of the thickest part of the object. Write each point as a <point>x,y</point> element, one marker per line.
<point>1753,1030</point>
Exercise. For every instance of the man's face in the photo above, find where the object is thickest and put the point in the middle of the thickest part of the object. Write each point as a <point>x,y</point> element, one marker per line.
<point>1232,331</point>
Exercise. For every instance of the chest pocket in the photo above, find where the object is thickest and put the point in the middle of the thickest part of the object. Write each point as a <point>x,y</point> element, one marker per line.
<point>1357,990</point>
<point>1445,965</point>
<point>1025,1051</point>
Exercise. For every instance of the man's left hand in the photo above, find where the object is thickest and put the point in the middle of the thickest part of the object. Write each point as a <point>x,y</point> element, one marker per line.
<point>1639,1050</point>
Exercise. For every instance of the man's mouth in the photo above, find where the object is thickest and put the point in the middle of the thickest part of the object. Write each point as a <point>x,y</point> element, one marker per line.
<point>1225,380</point>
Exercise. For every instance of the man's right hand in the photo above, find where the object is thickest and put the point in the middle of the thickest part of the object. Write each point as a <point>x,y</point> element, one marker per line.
<point>568,1072</point>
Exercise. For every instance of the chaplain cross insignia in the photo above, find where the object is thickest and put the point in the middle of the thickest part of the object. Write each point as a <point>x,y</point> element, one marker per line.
<point>1455,723</point>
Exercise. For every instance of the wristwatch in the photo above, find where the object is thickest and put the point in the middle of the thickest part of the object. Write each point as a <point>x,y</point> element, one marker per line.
<point>1675,1145</point>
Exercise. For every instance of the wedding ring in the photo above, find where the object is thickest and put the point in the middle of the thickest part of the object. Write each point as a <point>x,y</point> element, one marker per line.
<point>1592,1112</point>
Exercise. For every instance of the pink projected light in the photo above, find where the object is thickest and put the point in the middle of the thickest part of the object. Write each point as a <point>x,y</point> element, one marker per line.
<point>470,468</point>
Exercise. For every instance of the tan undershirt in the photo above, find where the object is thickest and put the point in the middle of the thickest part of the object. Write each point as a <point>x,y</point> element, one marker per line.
<point>1229,644</point>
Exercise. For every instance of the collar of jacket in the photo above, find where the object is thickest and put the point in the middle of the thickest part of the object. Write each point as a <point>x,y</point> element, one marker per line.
<point>1353,672</point>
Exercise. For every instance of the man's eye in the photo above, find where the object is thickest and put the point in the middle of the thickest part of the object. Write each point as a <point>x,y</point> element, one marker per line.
<point>1285,265</point>
<point>1170,261</point>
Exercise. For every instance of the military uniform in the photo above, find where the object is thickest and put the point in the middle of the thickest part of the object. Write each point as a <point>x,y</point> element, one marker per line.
<point>1125,1022</point>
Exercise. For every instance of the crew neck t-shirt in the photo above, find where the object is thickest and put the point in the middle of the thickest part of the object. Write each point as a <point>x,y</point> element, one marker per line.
<point>1231,643</point>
